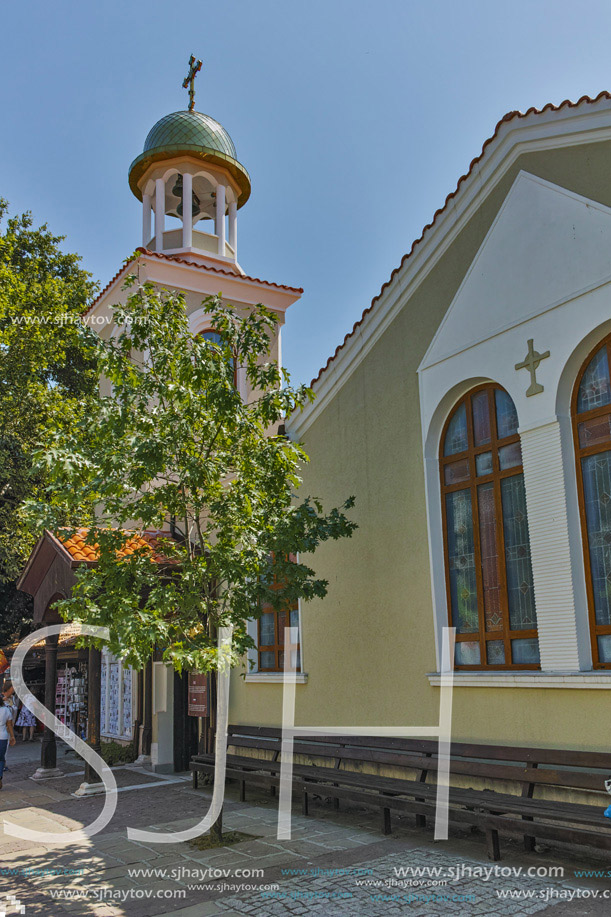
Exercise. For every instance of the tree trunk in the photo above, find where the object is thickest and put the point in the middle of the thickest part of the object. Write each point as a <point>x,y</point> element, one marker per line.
<point>216,831</point>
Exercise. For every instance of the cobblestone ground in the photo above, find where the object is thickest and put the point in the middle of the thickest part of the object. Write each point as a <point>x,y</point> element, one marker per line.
<point>337,863</point>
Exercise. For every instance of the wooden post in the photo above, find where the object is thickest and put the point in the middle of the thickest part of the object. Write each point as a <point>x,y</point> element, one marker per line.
<point>147,731</point>
<point>48,751</point>
<point>94,710</point>
<point>139,708</point>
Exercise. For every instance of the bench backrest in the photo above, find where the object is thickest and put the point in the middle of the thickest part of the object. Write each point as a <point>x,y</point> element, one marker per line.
<point>528,766</point>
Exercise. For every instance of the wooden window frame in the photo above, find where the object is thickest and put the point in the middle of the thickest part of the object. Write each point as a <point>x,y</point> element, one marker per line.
<point>278,646</point>
<point>472,483</point>
<point>596,630</point>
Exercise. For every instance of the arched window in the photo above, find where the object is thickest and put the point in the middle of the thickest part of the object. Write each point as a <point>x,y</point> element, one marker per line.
<point>216,338</point>
<point>592,429</point>
<point>487,552</point>
<point>211,335</point>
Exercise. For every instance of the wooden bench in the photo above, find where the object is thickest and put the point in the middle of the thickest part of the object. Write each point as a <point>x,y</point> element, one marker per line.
<point>495,788</point>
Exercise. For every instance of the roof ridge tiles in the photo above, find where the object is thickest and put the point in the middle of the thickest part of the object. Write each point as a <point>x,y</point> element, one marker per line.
<point>509,116</point>
<point>217,270</point>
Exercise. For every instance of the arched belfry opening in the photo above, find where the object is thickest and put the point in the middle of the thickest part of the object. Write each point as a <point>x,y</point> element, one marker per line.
<point>189,172</point>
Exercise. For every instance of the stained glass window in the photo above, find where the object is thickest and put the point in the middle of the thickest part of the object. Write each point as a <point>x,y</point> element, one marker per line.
<point>461,561</point>
<point>490,581</point>
<point>597,500</point>
<point>520,587</point>
<point>456,434</point>
<point>592,421</point>
<point>495,652</point>
<point>506,414</point>
<point>595,386</point>
<point>490,559</point>
<point>468,653</point>
<point>481,418</point>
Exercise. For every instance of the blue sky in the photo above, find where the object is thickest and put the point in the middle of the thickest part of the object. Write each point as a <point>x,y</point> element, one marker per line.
<point>354,118</point>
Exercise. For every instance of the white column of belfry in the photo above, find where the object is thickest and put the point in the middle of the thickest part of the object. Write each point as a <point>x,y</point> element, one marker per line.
<point>187,210</point>
<point>220,218</point>
<point>550,547</point>
<point>159,213</point>
<point>146,219</point>
<point>233,227</point>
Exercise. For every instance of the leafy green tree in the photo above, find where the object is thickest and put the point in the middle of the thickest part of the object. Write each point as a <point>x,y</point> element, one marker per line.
<point>16,614</point>
<point>177,446</point>
<point>47,371</point>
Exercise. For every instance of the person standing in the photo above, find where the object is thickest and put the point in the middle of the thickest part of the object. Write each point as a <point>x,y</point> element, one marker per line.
<point>7,735</point>
<point>10,702</point>
<point>10,698</point>
<point>27,721</point>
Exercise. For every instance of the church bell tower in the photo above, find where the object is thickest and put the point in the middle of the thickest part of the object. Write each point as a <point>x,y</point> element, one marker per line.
<point>189,172</point>
<point>191,185</point>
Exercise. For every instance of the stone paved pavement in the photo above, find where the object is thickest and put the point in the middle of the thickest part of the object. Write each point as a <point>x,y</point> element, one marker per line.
<point>337,864</point>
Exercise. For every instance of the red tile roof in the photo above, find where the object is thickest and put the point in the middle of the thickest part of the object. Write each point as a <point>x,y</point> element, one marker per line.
<point>81,551</point>
<point>508,117</point>
<point>198,264</point>
<point>219,270</point>
<point>66,638</point>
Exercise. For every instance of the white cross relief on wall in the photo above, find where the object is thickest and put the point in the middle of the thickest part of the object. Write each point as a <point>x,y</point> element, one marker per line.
<point>531,363</point>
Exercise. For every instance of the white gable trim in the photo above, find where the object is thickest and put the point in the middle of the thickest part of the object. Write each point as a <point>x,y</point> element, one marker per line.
<point>536,132</point>
<point>430,359</point>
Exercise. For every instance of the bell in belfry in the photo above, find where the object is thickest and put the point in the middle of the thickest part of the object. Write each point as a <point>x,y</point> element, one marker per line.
<point>177,192</point>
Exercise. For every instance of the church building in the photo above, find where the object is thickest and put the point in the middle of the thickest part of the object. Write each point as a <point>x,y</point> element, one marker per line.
<point>468,411</point>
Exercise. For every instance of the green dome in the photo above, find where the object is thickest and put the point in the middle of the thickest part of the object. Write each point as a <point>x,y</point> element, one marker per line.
<point>194,134</point>
<point>190,128</point>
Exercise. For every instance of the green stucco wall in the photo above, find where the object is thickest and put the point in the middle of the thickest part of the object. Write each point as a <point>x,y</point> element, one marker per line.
<point>368,646</point>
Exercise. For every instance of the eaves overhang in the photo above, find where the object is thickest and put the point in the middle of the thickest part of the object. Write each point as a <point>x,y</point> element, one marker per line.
<point>554,126</point>
<point>276,296</point>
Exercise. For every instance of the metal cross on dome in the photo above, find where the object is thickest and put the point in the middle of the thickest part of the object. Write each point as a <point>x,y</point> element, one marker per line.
<point>531,363</point>
<point>194,67</point>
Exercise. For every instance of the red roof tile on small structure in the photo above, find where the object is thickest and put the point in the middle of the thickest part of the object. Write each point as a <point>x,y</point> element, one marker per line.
<point>508,117</point>
<point>206,267</point>
<point>66,638</point>
<point>79,550</point>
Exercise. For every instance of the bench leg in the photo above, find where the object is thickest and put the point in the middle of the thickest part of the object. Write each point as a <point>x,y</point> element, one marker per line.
<point>304,802</point>
<point>420,819</point>
<point>386,821</point>
<point>195,781</point>
<point>492,844</point>
<point>242,791</point>
<point>529,841</point>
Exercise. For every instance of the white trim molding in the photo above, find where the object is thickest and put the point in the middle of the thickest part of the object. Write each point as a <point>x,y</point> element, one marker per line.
<point>537,131</point>
<point>531,679</point>
<point>275,678</point>
<point>544,481</point>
